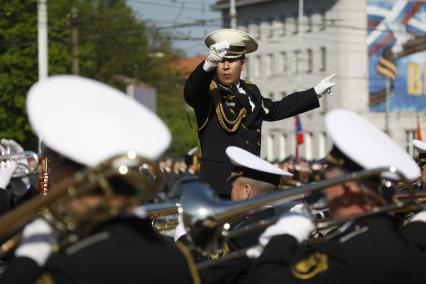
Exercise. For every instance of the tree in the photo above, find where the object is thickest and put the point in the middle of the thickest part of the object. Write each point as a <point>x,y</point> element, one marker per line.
<point>18,68</point>
<point>112,41</point>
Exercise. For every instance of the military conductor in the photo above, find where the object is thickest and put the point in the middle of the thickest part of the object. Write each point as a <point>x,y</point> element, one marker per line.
<point>230,111</point>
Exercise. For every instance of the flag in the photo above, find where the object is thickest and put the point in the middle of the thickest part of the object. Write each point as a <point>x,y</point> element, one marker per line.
<point>299,134</point>
<point>418,130</point>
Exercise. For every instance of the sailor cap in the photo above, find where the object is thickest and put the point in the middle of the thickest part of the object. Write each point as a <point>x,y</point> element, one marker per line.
<point>249,165</point>
<point>359,144</point>
<point>420,147</point>
<point>88,122</point>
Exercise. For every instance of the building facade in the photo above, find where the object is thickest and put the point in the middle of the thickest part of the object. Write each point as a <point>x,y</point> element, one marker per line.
<point>333,36</point>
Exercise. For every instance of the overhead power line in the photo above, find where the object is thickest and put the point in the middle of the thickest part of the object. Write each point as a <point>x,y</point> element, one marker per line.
<point>164,5</point>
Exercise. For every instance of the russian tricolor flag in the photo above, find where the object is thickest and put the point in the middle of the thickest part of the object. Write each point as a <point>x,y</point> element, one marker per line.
<point>299,134</point>
<point>299,130</point>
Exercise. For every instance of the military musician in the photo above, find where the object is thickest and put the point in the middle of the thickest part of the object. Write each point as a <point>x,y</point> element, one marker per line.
<point>367,248</point>
<point>230,111</point>
<point>113,241</point>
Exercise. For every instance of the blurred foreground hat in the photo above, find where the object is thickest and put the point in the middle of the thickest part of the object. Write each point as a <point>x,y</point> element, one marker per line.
<point>249,165</point>
<point>240,42</point>
<point>87,121</point>
<point>420,147</point>
<point>358,144</point>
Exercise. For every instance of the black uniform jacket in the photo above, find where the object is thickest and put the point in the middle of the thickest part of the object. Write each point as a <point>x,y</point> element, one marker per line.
<point>122,251</point>
<point>372,250</point>
<point>9,201</point>
<point>235,271</point>
<point>225,118</point>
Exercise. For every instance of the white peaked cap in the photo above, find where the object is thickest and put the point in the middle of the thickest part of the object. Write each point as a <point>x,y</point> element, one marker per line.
<point>240,42</point>
<point>88,121</point>
<point>420,146</point>
<point>243,158</point>
<point>367,145</point>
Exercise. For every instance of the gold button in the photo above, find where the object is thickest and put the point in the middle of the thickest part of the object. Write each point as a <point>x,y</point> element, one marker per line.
<point>258,130</point>
<point>258,143</point>
<point>247,142</point>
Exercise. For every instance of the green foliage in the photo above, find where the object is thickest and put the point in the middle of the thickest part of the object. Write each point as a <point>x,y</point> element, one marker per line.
<point>18,67</point>
<point>112,41</point>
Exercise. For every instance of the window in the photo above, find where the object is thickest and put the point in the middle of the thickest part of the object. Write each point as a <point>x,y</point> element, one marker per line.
<point>256,66</point>
<point>246,70</point>
<point>258,30</point>
<point>269,65</point>
<point>282,153</point>
<point>254,29</point>
<point>308,145</point>
<point>410,135</point>
<point>292,143</point>
<point>323,54</point>
<point>294,24</point>
<point>323,24</point>
<point>321,145</point>
<point>297,61</point>
<point>309,60</point>
<point>270,147</point>
<point>270,27</point>
<point>284,62</point>
<point>277,64</point>
<point>283,25</point>
<point>309,22</point>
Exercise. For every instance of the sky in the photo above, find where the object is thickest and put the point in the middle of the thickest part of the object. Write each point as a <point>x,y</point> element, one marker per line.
<point>170,14</point>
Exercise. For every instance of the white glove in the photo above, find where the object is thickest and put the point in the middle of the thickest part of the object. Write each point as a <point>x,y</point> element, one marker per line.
<point>180,229</point>
<point>419,217</point>
<point>294,224</point>
<point>19,186</point>
<point>6,171</point>
<point>37,240</point>
<point>291,223</point>
<point>324,86</point>
<point>299,208</point>
<point>254,252</point>
<point>216,55</point>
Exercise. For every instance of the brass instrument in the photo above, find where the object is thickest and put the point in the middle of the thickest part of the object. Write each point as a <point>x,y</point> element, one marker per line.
<point>122,170</point>
<point>43,177</point>
<point>163,215</point>
<point>206,218</point>
<point>27,162</point>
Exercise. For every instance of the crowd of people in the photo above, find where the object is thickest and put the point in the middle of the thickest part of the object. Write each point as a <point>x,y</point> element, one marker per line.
<point>86,217</point>
<point>175,169</point>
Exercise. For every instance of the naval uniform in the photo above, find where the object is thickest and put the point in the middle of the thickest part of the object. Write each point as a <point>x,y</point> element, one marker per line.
<point>125,250</point>
<point>225,118</point>
<point>371,250</point>
<point>235,271</point>
<point>9,200</point>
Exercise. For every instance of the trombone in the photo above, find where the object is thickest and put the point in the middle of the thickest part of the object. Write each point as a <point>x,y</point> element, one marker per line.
<point>206,218</point>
